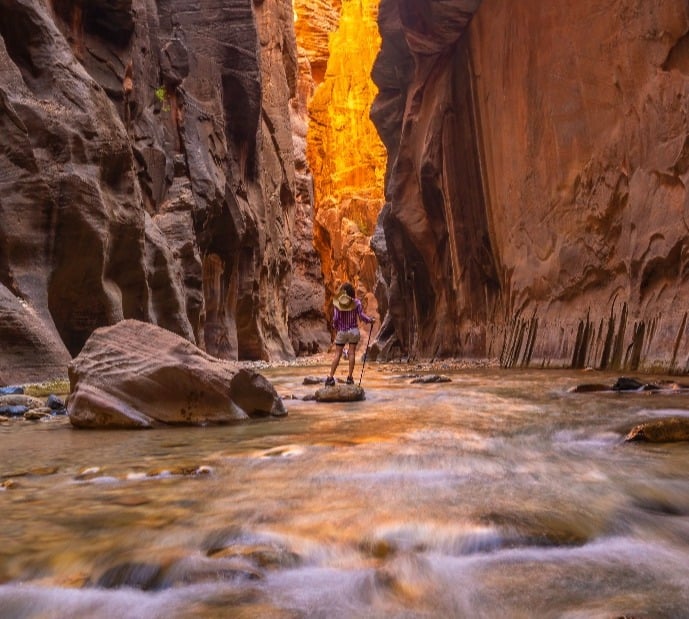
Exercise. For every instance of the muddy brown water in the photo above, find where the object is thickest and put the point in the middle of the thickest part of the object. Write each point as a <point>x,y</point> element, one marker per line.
<point>498,494</point>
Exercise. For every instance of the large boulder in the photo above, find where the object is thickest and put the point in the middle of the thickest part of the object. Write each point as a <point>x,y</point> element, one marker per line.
<point>138,375</point>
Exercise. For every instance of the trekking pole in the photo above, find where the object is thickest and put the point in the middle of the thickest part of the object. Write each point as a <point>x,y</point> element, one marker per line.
<point>363,365</point>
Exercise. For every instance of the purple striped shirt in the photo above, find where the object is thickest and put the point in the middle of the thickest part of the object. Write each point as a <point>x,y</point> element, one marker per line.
<point>346,320</point>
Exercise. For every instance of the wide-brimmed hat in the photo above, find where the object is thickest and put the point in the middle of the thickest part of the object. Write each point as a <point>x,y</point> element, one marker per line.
<point>343,301</point>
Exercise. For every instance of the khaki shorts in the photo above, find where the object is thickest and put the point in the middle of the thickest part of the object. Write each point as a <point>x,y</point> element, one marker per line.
<point>347,337</point>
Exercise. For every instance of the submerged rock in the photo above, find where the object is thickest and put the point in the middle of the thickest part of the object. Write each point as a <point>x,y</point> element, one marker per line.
<point>431,378</point>
<point>625,383</point>
<point>137,375</point>
<point>589,388</point>
<point>340,393</point>
<point>143,576</point>
<point>666,430</point>
<point>630,385</point>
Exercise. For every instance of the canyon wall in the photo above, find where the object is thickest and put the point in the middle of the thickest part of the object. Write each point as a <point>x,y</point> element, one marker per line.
<point>538,159</point>
<point>344,151</point>
<point>315,20</point>
<point>146,171</point>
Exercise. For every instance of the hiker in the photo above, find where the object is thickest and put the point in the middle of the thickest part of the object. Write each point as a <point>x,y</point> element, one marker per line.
<point>348,312</point>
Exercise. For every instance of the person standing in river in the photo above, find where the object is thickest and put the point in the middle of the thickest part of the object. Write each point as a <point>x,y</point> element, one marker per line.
<point>348,312</point>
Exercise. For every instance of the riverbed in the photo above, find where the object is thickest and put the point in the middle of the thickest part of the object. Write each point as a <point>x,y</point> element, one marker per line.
<point>498,494</point>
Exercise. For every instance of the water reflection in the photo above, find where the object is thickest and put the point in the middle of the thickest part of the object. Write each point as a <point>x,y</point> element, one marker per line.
<point>499,494</point>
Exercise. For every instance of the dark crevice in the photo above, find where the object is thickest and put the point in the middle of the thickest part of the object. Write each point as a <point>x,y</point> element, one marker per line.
<point>678,57</point>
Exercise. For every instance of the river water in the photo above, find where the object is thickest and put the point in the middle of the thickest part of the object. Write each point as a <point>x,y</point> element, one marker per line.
<point>499,494</point>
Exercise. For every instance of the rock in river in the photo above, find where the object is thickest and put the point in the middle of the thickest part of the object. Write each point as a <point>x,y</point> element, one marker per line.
<point>665,430</point>
<point>18,405</point>
<point>137,375</point>
<point>340,393</point>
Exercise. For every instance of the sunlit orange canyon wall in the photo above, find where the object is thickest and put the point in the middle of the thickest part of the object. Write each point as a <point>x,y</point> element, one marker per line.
<point>340,41</point>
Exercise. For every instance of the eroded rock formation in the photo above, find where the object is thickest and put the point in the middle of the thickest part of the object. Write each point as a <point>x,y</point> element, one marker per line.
<point>138,375</point>
<point>537,181</point>
<point>146,172</point>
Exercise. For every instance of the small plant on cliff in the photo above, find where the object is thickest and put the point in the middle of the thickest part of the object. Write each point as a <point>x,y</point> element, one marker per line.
<point>161,97</point>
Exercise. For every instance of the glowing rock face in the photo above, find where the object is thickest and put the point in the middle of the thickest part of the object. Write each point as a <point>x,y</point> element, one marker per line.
<point>344,151</point>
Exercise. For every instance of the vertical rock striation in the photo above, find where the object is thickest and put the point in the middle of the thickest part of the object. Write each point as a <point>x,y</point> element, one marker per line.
<point>146,172</point>
<point>537,181</point>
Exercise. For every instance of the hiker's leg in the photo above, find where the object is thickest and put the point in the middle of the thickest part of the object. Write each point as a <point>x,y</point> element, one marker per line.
<point>336,359</point>
<point>352,358</point>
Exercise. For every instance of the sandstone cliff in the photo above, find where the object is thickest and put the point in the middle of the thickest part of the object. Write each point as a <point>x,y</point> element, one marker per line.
<point>308,327</point>
<point>340,42</point>
<point>146,172</point>
<point>537,181</point>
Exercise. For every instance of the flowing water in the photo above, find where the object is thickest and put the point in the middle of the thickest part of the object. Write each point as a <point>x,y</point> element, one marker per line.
<point>498,494</point>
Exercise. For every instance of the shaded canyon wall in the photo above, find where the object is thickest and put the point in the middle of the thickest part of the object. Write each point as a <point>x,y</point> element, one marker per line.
<point>146,171</point>
<point>536,188</point>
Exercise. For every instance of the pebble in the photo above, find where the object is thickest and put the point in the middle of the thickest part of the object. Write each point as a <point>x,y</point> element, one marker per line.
<point>88,473</point>
<point>36,414</point>
<point>54,403</point>
<point>313,380</point>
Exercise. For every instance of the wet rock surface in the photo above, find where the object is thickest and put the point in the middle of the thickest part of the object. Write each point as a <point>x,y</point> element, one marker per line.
<point>27,407</point>
<point>340,392</point>
<point>666,430</point>
<point>626,384</point>
<point>313,380</point>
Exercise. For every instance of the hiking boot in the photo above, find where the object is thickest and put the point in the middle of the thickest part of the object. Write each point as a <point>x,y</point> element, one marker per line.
<point>330,381</point>
<point>350,380</point>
